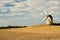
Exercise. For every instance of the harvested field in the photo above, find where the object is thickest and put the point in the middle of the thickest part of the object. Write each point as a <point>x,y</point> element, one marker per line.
<point>38,32</point>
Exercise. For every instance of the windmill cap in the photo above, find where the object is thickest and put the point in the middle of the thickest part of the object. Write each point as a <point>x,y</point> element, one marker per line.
<point>50,16</point>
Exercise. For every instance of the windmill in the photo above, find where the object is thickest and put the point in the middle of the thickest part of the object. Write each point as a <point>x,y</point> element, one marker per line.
<point>48,16</point>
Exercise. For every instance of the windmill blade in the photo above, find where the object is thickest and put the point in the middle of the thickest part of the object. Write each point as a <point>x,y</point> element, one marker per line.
<point>43,15</point>
<point>50,12</point>
<point>45,12</point>
<point>44,18</point>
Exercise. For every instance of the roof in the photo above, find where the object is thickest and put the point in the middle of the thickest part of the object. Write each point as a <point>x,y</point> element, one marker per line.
<point>50,17</point>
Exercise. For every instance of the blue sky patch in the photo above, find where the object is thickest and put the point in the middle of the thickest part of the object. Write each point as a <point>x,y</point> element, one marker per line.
<point>9,5</point>
<point>20,0</point>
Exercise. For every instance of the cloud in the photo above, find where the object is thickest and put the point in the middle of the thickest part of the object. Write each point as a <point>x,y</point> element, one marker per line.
<point>1,4</point>
<point>31,6</point>
<point>12,14</point>
<point>20,0</point>
<point>9,5</point>
<point>6,1</point>
<point>19,18</point>
<point>53,3</point>
<point>4,22</point>
<point>3,10</point>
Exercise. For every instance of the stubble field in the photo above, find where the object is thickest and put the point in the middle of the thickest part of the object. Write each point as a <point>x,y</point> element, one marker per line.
<point>37,32</point>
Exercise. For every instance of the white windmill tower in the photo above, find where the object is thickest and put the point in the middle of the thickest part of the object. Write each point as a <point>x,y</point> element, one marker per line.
<point>49,19</point>
<point>48,16</point>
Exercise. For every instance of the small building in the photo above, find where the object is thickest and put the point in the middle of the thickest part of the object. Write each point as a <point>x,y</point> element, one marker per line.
<point>49,20</point>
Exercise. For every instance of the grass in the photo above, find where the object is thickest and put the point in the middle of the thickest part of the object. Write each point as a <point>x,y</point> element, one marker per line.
<point>37,32</point>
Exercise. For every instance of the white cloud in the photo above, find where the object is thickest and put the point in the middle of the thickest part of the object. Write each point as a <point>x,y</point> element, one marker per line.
<point>53,3</point>
<point>4,22</point>
<point>56,18</point>
<point>17,11</point>
<point>1,4</point>
<point>34,6</point>
<point>19,5</point>
<point>19,18</point>
<point>13,9</point>
<point>3,9</point>
<point>12,14</point>
<point>6,1</point>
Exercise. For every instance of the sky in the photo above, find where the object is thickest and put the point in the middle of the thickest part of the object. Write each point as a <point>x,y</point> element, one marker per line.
<point>28,12</point>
